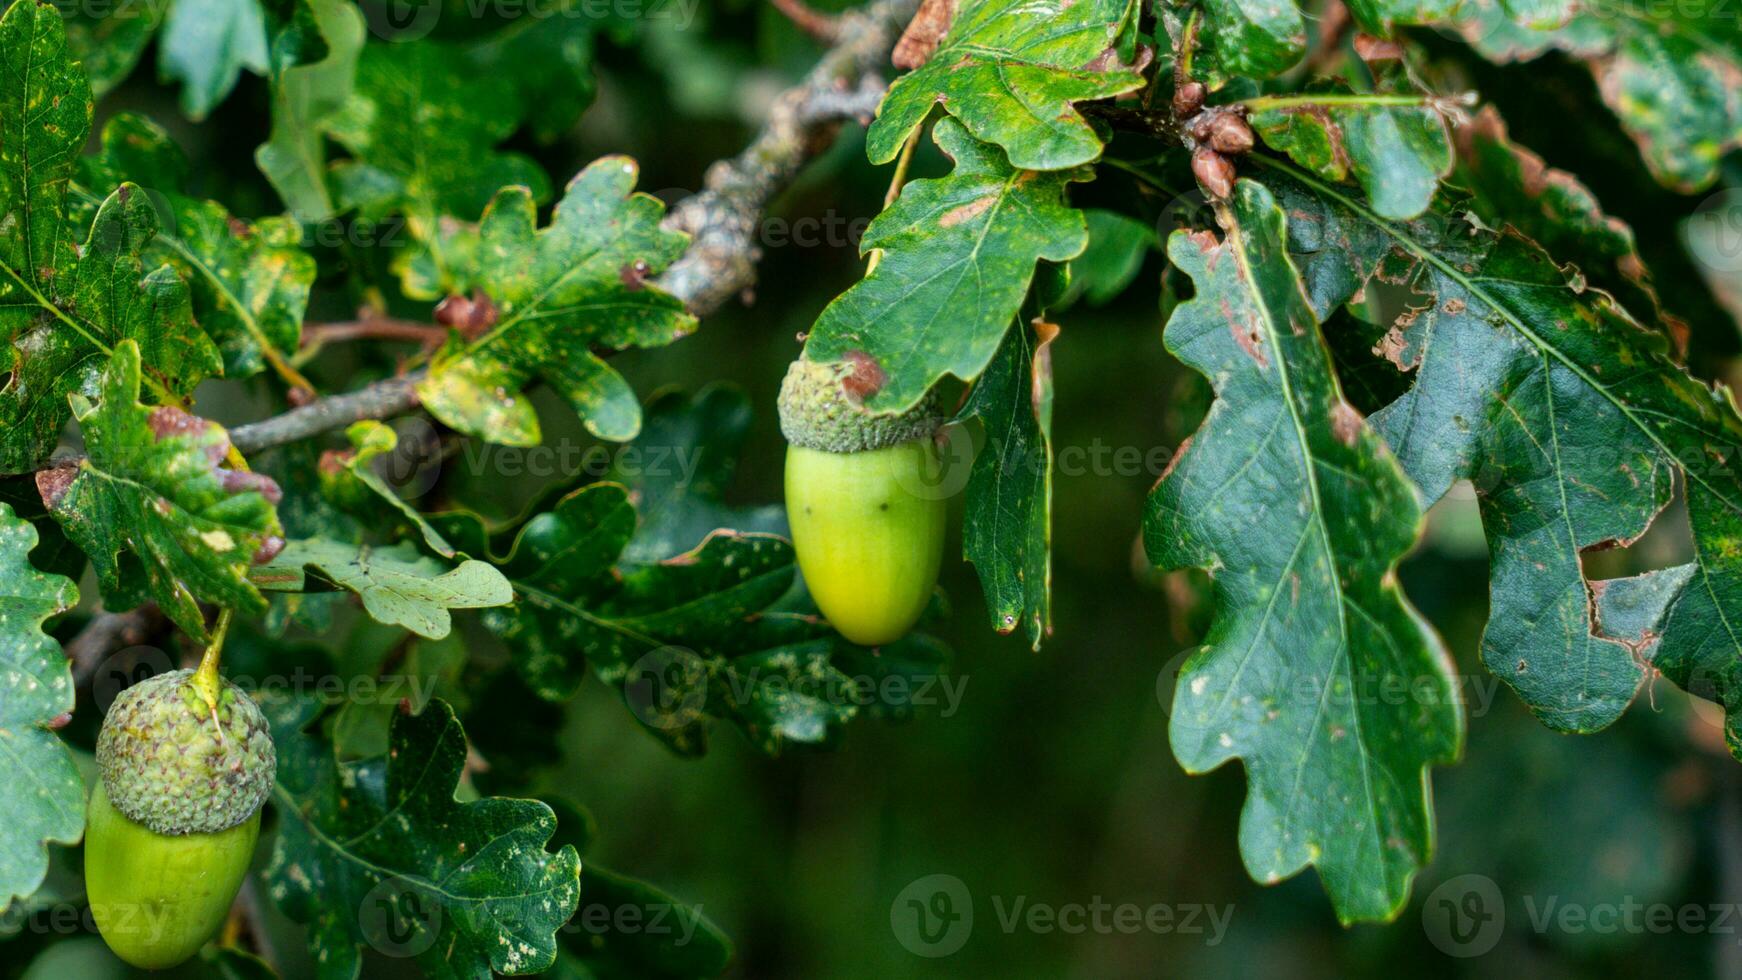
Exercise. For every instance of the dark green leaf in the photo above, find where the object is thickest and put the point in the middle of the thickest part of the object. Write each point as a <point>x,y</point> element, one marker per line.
<point>1570,420</point>
<point>158,515</point>
<point>379,853</point>
<point>1510,185</point>
<point>558,292</point>
<point>1010,70</point>
<point>64,308</point>
<point>958,255</point>
<point>1007,532</point>
<point>1300,514</point>
<point>45,799</point>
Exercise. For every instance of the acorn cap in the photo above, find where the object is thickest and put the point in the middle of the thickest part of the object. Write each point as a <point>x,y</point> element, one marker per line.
<point>820,409</point>
<point>176,765</point>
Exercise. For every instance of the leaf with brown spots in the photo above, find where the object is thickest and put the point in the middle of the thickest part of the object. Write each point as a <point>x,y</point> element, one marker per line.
<point>1671,73</point>
<point>959,253</point>
<point>1010,71</point>
<point>154,508</point>
<point>1510,185</point>
<point>64,307</point>
<point>1301,515</point>
<point>1573,424</point>
<point>377,852</point>
<point>557,293</point>
<point>1394,144</point>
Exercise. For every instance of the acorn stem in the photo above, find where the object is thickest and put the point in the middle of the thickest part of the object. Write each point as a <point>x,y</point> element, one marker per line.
<point>206,680</point>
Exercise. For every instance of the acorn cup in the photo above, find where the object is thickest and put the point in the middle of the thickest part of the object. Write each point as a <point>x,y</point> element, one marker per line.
<point>867,524</point>
<point>172,823</point>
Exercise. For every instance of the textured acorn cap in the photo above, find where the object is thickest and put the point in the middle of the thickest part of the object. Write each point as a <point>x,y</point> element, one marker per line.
<point>819,409</point>
<point>172,763</point>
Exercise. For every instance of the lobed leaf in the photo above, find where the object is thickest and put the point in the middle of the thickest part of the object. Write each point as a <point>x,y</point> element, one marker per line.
<point>959,253</point>
<point>398,585</point>
<point>1510,185</point>
<point>378,852</point>
<point>1671,74</point>
<point>64,308</point>
<point>423,139</point>
<point>151,505</point>
<point>45,798</point>
<point>1010,72</point>
<point>306,93</point>
<point>1570,420</point>
<point>558,292</point>
<point>1394,145</point>
<point>1294,505</point>
<point>677,471</point>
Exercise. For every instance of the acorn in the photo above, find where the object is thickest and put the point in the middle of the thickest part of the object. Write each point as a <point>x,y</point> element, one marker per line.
<point>867,523</point>
<point>186,762</point>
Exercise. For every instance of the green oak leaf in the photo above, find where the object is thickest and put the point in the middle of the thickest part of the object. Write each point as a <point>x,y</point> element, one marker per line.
<point>306,92</point>
<point>677,471</point>
<point>207,44</point>
<point>958,255</point>
<point>1300,514</point>
<point>1567,416</point>
<point>1510,185</point>
<point>158,515</point>
<point>248,282</point>
<point>1007,532</point>
<point>64,308</point>
<point>1010,71</point>
<point>686,639</point>
<point>1671,74</point>
<point>579,283</point>
<point>399,585</point>
<point>574,608</point>
<point>379,853</point>
<point>45,801</point>
<point>1394,145</point>
<point>423,139</point>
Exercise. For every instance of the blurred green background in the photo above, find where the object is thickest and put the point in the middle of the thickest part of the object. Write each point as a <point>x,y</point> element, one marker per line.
<point>1052,783</point>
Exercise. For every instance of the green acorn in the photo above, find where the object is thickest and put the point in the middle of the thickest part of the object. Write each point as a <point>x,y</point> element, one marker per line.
<point>866,522</point>
<point>186,762</point>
